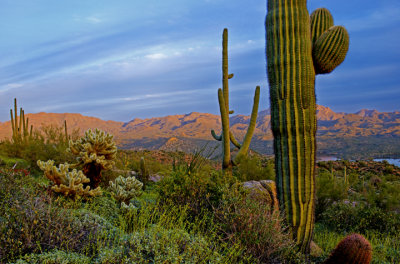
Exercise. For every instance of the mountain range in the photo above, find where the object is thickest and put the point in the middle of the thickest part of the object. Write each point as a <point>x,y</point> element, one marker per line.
<point>189,131</point>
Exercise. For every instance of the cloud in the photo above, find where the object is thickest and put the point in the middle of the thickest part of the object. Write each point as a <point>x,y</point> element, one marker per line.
<point>156,56</point>
<point>93,20</point>
<point>383,17</point>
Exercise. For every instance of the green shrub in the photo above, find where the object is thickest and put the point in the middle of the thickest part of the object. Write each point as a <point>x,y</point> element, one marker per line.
<point>255,168</point>
<point>54,257</point>
<point>329,190</point>
<point>256,227</point>
<point>199,191</point>
<point>360,218</point>
<point>30,221</point>
<point>384,195</point>
<point>48,143</point>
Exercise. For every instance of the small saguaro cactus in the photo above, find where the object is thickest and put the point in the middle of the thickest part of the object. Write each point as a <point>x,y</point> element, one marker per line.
<point>19,129</point>
<point>143,173</point>
<point>298,47</point>
<point>353,249</point>
<point>223,98</point>
<point>95,152</point>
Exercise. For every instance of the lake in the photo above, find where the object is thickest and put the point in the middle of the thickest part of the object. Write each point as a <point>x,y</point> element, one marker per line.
<point>332,158</point>
<point>391,161</point>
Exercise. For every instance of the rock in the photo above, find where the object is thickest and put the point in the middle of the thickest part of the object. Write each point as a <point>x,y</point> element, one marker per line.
<point>315,250</point>
<point>264,190</point>
<point>155,178</point>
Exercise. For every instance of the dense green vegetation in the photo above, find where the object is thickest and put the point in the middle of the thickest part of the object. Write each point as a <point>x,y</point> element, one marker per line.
<point>193,214</point>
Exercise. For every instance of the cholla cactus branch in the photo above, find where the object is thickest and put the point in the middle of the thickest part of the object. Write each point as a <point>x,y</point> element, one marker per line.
<point>69,183</point>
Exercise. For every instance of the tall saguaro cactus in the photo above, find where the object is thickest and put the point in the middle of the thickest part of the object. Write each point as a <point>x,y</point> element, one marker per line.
<point>298,47</point>
<point>223,98</point>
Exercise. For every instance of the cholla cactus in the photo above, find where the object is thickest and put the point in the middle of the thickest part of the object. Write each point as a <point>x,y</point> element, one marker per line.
<point>96,151</point>
<point>125,189</point>
<point>69,183</point>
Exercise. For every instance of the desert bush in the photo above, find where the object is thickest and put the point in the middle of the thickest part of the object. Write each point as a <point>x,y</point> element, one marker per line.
<point>54,257</point>
<point>30,221</point>
<point>255,168</point>
<point>47,143</point>
<point>259,230</point>
<point>384,195</point>
<point>158,245</point>
<point>360,218</point>
<point>164,232</point>
<point>199,191</point>
<point>328,191</point>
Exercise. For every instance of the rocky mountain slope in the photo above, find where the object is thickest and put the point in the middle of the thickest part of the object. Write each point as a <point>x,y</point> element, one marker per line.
<point>189,130</point>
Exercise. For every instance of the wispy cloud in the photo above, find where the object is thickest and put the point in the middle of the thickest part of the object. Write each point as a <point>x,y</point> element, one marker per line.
<point>376,19</point>
<point>146,58</point>
<point>93,19</point>
<point>156,56</point>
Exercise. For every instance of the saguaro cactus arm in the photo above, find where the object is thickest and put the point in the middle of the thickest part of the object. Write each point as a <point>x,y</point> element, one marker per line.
<point>244,148</point>
<point>330,49</point>
<point>321,20</point>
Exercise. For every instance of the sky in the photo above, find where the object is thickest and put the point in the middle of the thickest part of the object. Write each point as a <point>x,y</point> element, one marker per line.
<point>125,59</point>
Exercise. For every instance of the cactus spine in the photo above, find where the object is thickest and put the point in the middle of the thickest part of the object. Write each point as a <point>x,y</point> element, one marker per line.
<point>19,129</point>
<point>353,249</point>
<point>297,49</point>
<point>223,99</point>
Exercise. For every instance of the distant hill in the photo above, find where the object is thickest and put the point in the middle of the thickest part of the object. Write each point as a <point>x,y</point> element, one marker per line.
<point>190,131</point>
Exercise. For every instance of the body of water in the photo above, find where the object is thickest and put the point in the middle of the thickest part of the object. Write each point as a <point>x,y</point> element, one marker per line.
<point>391,161</point>
<point>332,158</point>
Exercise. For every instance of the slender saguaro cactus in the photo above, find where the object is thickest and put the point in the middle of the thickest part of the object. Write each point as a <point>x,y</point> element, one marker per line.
<point>298,47</point>
<point>66,132</point>
<point>223,98</point>
<point>19,130</point>
<point>144,173</point>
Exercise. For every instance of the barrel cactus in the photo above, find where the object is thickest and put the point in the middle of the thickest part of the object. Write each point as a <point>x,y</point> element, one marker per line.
<point>299,46</point>
<point>353,249</point>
